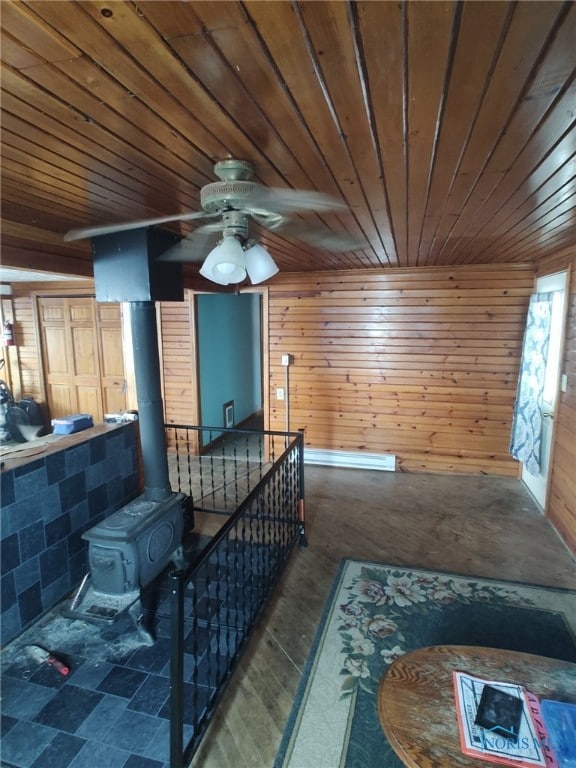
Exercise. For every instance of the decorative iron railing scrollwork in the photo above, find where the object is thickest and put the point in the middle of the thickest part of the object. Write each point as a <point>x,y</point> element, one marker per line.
<point>217,597</point>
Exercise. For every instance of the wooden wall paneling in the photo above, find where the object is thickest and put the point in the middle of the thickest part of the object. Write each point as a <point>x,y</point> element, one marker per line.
<point>429,42</point>
<point>136,37</point>
<point>265,342</point>
<point>10,373</point>
<point>77,162</point>
<point>66,180</point>
<point>119,155</point>
<point>339,65</point>
<point>95,33</point>
<point>113,376</point>
<point>279,25</point>
<point>253,74</point>
<point>420,363</point>
<point>479,35</point>
<point>506,82</point>
<point>19,256</point>
<point>551,227</point>
<point>103,153</point>
<point>86,104</point>
<point>552,192</point>
<point>179,363</point>
<point>537,117</point>
<point>29,357</point>
<point>384,67</point>
<point>443,125</point>
<point>561,499</point>
<point>46,42</point>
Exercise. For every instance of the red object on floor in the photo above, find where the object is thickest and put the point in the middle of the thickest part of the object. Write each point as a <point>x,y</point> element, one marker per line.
<point>42,656</point>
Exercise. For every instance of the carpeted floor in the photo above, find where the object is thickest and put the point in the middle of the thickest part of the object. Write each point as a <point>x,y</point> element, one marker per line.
<point>376,613</point>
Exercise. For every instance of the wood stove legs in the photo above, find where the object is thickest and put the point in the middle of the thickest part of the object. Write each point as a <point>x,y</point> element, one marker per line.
<point>141,621</point>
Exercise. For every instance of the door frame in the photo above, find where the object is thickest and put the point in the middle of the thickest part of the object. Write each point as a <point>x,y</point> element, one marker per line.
<point>264,346</point>
<point>523,474</point>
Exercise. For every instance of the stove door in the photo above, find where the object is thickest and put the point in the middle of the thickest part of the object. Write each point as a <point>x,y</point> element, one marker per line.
<point>110,569</point>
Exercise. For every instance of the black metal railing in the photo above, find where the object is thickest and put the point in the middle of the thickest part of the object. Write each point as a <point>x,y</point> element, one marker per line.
<point>217,467</point>
<point>216,599</point>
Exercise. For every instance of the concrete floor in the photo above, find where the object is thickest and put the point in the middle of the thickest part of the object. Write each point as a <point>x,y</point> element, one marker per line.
<point>467,524</point>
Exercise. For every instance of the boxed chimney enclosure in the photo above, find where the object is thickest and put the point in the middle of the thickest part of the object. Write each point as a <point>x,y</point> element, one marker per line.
<point>129,549</point>
<point>126,266</point>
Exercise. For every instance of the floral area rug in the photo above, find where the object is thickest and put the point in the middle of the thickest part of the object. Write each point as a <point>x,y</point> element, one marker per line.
<point>376,613</point>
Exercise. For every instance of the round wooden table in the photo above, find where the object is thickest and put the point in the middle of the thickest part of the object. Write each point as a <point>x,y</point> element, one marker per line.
<point>416,698</point>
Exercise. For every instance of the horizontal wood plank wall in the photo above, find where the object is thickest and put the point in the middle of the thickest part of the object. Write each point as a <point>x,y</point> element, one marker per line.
<point>178,369</point>
<point>26,339</point>
<point>420,363</point>
<point>561,504</point>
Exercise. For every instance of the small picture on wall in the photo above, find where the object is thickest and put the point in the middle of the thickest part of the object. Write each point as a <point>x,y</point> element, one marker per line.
<point>229,414</point>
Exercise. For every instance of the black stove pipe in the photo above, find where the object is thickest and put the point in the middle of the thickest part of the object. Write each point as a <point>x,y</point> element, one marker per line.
<point>149,394</point>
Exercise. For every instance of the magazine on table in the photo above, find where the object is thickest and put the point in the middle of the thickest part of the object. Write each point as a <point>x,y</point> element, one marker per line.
<point>510,734</point>
<point>560,721</point>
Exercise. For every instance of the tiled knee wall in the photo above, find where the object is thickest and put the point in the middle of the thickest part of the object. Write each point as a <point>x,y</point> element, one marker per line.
<point>46,506</point>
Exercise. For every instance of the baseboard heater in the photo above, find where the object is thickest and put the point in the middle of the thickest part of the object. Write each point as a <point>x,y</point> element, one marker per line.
<point>350,459</point>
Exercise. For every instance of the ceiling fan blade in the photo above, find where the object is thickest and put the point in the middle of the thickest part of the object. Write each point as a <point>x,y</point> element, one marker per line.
<point>268,199</point>
<point>331,241</point>
<point>320,237</point>
<point>193,248</point>
<point>106,229</point>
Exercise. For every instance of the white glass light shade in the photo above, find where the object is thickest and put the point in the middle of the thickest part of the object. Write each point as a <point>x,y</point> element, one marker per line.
<point>226,263</point>
<point>259,264</point>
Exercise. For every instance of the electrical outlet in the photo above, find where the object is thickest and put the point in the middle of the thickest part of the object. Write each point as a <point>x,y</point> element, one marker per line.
<point>279,393</point>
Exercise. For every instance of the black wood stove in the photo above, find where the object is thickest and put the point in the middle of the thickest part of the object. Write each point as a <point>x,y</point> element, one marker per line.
<point>130,548</point>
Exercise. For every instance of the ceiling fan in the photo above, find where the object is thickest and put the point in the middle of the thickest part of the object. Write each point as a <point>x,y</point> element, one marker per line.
<point>230,204</point>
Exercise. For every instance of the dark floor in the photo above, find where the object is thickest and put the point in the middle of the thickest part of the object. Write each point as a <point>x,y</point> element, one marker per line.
<point>109,712</point>
<point>112,710</point>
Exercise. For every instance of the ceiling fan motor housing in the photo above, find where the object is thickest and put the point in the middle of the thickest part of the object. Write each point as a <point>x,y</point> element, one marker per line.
<point>225,195</point>
<point>233,191</point>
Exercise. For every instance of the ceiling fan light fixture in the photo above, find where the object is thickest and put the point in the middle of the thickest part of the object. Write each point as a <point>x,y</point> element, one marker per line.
<point>225,263</point>
<point>259,264</point>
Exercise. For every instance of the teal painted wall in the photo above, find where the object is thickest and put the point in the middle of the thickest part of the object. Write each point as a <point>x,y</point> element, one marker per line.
<point>229,358</point>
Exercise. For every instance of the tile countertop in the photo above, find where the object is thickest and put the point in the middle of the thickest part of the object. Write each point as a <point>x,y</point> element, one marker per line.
<point>14,455</point>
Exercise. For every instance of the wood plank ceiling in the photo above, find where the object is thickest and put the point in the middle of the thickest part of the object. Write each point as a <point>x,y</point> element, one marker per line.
<point>447,128</point>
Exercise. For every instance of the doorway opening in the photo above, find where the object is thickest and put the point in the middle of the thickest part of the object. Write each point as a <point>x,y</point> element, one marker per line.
<point>555,284</point>
<point>230,360</point>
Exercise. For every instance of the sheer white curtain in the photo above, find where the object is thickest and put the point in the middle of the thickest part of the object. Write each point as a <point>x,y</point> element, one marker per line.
<point>527,420</point>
